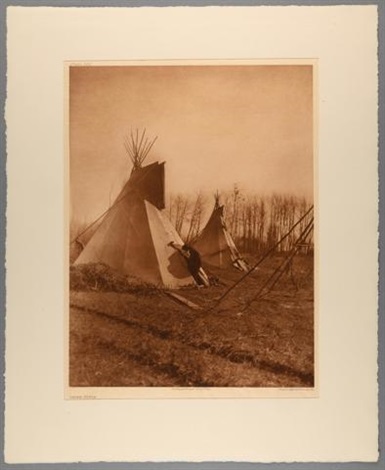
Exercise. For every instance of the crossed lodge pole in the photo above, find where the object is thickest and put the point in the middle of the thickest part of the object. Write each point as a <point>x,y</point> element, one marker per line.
<point>268,252</point>
<point>277,274</point>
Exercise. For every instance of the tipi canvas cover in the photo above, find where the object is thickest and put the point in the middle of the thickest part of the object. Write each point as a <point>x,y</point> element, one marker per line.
<point>215,244</point>
<point>134,234</point>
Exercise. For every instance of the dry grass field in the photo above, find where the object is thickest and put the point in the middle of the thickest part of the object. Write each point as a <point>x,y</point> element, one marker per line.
<point>124,334</point>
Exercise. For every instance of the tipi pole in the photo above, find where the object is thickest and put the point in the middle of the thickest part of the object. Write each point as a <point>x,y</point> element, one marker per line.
<point>137,140</point>
<point>128,149</point>
<point>291,256</point>
<point>277,274</point>
<point>141,139</point>
<point>268,252</point>
<point>145,153</point>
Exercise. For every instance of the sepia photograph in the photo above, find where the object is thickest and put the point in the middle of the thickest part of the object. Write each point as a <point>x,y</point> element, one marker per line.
<point>192,226</point>
<point>192,235</point>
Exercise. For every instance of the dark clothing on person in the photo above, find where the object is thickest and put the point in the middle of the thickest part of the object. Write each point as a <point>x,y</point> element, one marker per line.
<point>193,259</point>
<point>193,263</point>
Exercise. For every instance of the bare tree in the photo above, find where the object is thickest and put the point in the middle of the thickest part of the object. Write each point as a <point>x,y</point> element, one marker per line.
<point>196,217</point>
<point>255,222</point>
<point>178,211</point>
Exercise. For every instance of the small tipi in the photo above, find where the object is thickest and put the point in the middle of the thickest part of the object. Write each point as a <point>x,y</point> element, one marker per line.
<point>134,235</point>
<point>215,244</point>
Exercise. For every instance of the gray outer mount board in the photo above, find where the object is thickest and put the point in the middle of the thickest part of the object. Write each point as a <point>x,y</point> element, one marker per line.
<point>3,191</point>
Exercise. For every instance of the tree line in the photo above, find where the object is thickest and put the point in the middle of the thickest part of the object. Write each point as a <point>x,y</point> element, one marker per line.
<point>255,222</point>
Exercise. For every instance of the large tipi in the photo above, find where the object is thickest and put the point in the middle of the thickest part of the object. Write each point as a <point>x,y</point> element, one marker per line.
<point>215,244</point>
<point>134,235</point>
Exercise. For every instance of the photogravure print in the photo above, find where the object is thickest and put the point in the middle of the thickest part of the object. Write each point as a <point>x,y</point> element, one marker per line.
<point>192,234</point>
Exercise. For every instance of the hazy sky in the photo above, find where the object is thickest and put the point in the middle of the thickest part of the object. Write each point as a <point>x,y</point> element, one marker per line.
<point>216,126</point>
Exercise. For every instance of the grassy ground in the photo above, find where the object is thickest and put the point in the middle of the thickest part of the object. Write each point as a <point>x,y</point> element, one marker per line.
<point>145,338</point>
